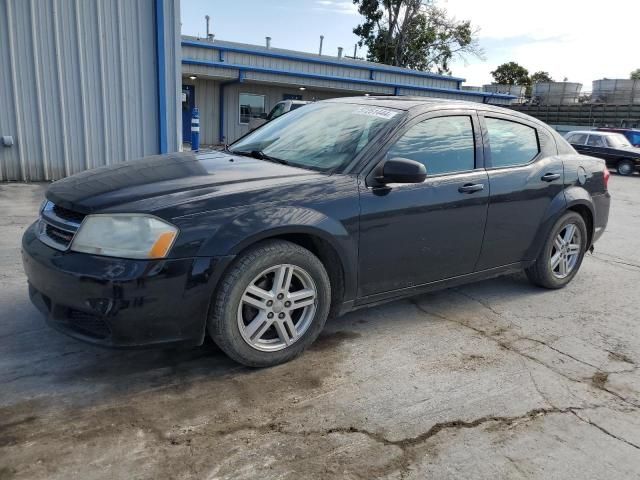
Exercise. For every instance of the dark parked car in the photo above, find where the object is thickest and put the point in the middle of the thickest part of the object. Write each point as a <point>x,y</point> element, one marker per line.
<point>632,134</point>
<point>612,147</point>
<point>339,205</point>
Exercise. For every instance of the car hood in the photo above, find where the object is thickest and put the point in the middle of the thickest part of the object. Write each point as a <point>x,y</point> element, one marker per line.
<point>160,180</point>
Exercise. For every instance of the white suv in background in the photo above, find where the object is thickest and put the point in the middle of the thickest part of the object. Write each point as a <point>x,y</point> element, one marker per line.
<point>279,109</point>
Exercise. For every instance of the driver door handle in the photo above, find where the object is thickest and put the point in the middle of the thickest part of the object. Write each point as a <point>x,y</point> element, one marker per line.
<point>550,177</point>
<point>471,188</point>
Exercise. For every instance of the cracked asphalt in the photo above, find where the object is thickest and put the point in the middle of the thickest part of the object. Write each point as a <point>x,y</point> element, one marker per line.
<point>497,379</point>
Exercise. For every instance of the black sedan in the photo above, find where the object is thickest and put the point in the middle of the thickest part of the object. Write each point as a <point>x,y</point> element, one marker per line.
<point>613,148</point>
<point>339,205</point>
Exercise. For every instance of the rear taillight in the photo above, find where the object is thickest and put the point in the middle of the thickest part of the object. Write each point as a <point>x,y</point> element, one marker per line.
<point>606,176</point>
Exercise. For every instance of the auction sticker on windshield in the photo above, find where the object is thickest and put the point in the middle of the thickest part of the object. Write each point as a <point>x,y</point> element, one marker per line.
<point>375,112</point>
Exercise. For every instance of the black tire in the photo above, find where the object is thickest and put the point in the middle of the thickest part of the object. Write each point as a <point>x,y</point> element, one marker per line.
<point>625,167</point>
<point>223,324</point>
<point>540,273</point>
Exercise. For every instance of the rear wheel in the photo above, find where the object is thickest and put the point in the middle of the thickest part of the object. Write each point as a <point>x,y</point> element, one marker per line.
<point>625,167</point>
<point>562,253</point>
<point>271,305</point>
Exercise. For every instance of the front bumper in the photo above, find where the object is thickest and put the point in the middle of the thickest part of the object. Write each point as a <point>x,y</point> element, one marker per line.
<point>117,302</point>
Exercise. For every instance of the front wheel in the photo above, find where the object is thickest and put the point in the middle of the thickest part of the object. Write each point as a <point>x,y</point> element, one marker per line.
<point>625,167</point>
<point>271,305</point>
<point>562,253</point>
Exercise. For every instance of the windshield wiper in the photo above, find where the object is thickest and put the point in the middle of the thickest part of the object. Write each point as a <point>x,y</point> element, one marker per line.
<point>260,155</point>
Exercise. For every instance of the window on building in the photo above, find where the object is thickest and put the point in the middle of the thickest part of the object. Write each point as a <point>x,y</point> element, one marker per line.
<point>251,106</point>
<point>442,145</point>
<point>511,143</point>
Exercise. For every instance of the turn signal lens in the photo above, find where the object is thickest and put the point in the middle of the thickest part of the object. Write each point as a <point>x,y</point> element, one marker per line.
<point>162,245</point>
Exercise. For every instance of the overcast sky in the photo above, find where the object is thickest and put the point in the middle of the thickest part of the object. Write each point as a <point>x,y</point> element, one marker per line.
<point>580,40</point>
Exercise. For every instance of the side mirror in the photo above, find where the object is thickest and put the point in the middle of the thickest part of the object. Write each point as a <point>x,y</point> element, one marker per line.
<point>402,170</point>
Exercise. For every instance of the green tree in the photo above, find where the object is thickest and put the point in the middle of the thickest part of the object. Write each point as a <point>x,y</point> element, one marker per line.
<point>414,34</point>
<point>635,75</point>
<point>540,77</point>
<point>511,74</point>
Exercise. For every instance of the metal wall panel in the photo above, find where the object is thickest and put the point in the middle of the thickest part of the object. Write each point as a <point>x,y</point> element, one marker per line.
<point>341,68</point>
<point>79,86</point>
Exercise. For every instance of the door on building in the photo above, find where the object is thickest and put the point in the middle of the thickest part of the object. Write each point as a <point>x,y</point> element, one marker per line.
<point>188,102</point>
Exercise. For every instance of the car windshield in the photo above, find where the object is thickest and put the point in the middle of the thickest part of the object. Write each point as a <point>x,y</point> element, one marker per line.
<point>618,140</point>
<point>322,136</point>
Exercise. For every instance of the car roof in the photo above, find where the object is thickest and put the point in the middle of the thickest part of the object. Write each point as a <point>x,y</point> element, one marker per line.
<point>410,102</point>
<point>618,129</point>
<point>593,132</point>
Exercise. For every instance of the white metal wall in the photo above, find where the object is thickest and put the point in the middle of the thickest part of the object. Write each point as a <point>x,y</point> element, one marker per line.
<point>79,84</point>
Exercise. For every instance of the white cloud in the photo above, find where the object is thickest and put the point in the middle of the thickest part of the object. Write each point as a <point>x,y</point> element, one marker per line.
<point>583,41</point>
<point>345,7</point>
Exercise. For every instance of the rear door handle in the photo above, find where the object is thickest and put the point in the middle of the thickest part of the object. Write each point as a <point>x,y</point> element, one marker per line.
<point>471,187</point>
<point>550,177</point>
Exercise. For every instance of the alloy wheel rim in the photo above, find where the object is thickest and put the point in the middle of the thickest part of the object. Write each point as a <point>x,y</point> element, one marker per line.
<point>565,251</point>
<point>626,168</point>
<point>277,307</point>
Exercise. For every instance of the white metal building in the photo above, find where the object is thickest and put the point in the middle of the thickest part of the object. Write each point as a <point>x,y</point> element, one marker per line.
<point>85,83</point>
<point>230,82</point>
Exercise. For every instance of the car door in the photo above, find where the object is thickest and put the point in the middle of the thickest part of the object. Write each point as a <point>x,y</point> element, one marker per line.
<point>525,177</point>
<point>412,234</point>
<point>597,147</point>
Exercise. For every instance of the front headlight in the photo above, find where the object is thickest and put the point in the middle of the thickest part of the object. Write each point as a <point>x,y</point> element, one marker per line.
<point>125,235</point>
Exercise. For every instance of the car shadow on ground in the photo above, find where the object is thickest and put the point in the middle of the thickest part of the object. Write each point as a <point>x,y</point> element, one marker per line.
<point>49,363</point>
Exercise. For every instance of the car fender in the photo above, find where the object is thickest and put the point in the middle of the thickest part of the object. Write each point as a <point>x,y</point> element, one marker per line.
<point>565,199</point>
<point>251,226</point>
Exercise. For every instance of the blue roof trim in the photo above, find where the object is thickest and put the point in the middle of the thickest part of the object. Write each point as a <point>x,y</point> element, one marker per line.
<point>320,61</point>
<point>361,81</point>
<point>161,77</point>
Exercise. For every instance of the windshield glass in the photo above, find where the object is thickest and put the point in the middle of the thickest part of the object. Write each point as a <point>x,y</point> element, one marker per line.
<point>322,136</point>
<point>618,140</point>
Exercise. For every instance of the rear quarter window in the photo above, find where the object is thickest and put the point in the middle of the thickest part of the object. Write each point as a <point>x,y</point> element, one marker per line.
<point>511,143</point>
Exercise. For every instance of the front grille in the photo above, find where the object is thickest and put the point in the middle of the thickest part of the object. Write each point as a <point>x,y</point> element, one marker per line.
<point>58,225</point>
<point>87,324</point>
<point>68,215</point>
<point>59,236</point>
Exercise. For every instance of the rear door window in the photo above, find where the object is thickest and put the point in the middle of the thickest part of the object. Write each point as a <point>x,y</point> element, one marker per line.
<point>577,138</point>
<point>511,143</point>
<point>596,141</point>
